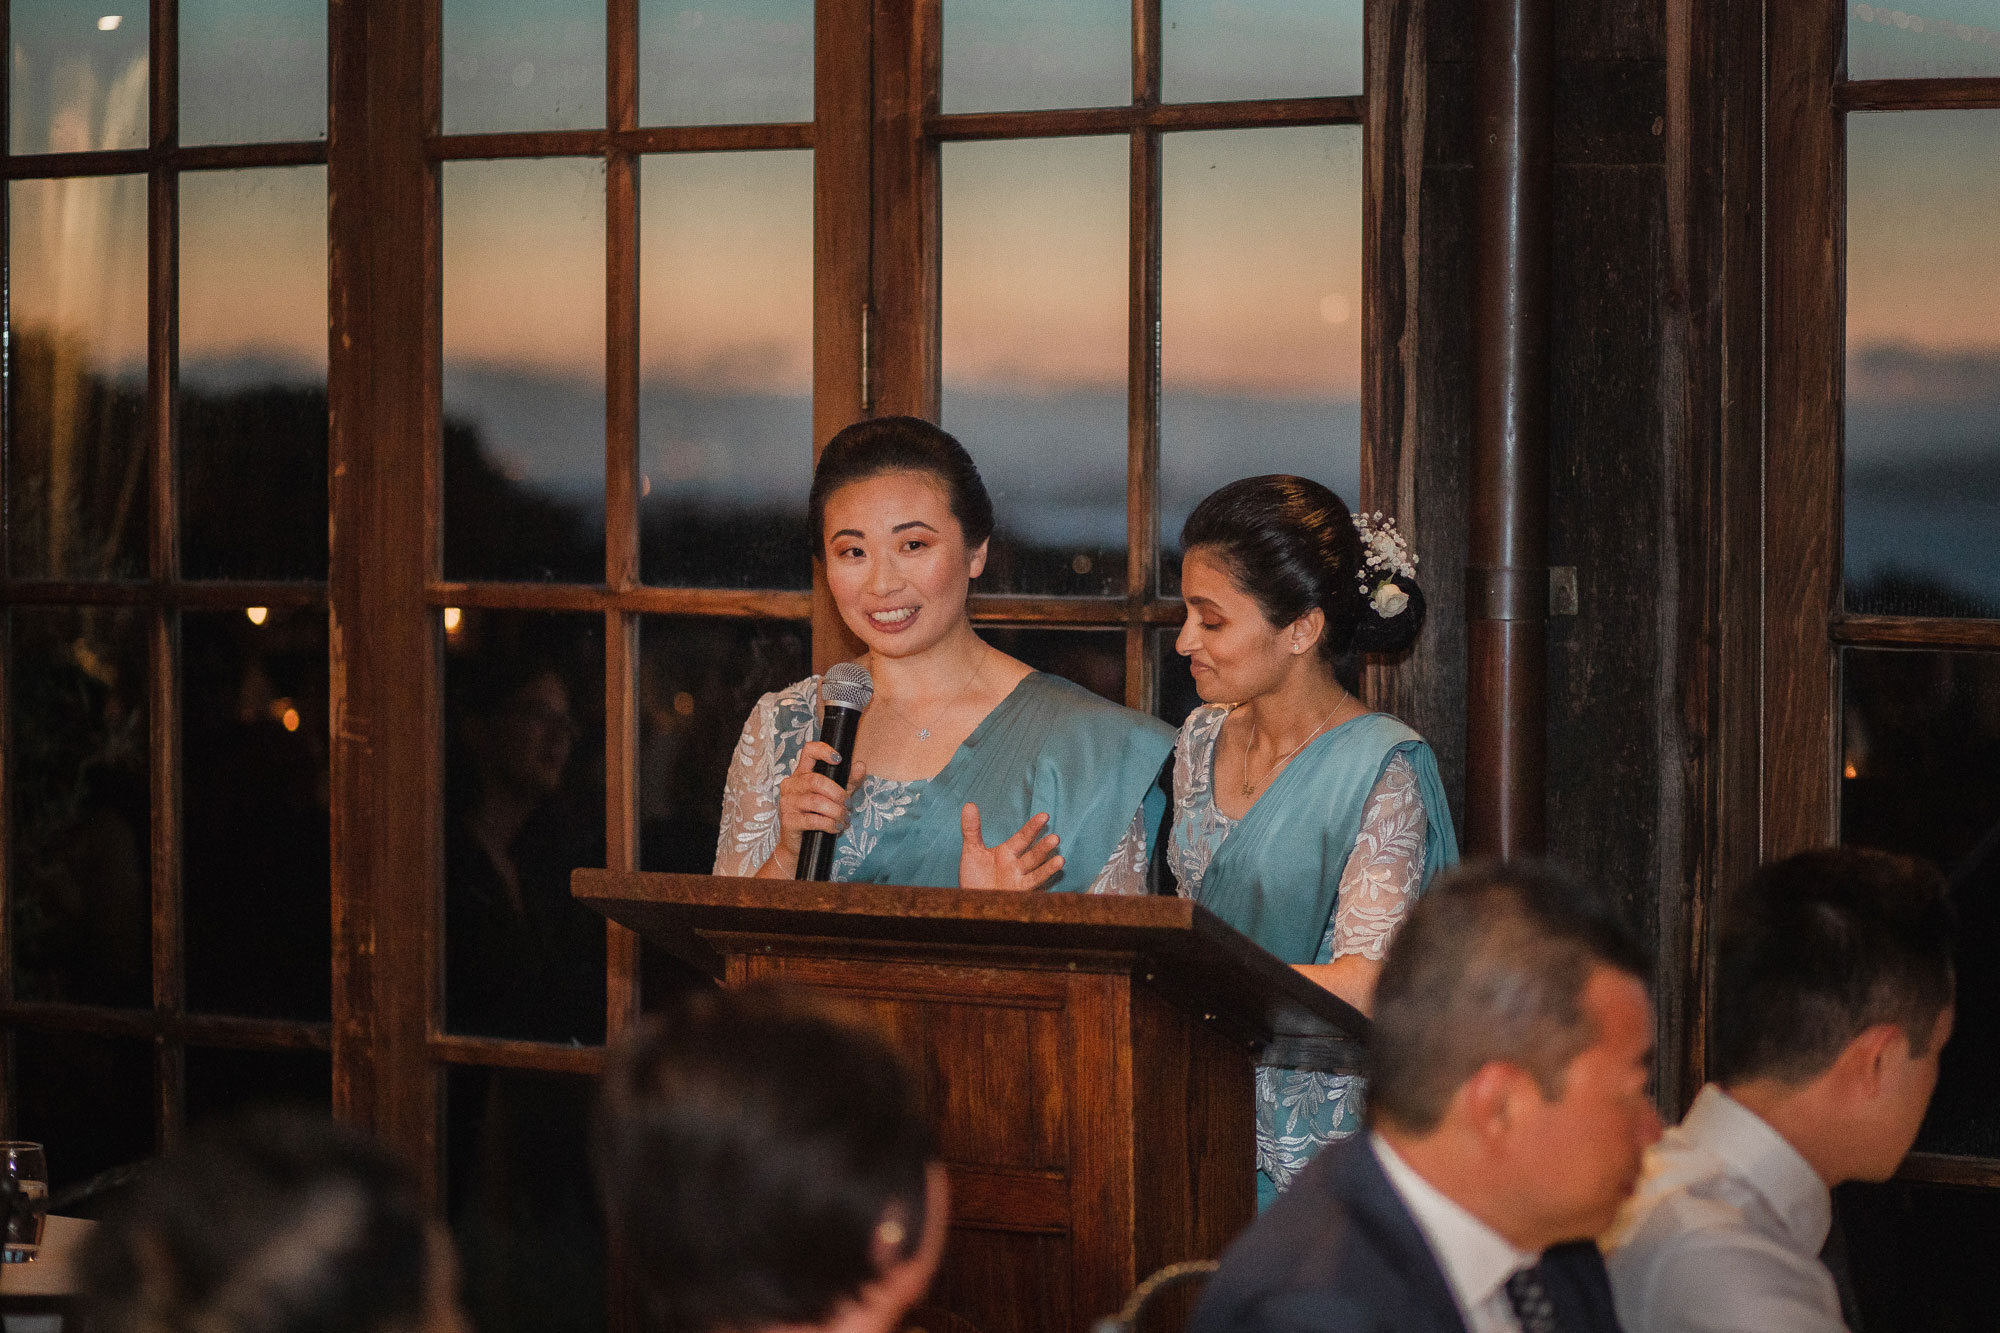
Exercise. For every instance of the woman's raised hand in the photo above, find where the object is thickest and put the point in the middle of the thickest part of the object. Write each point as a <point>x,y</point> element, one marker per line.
<point>1021,863</point>
<point>809,800</point>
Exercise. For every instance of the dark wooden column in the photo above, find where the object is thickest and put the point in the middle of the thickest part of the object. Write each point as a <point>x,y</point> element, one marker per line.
<point>384,315</point>
<point>1506,585</point>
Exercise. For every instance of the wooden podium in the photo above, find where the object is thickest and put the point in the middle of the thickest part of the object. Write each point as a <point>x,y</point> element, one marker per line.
<point>1086,1060</point>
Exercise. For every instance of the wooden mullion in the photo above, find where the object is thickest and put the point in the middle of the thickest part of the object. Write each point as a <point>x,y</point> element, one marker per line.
<point>843,165</point>
<point>1950,1169</point>
<point>630,139</point>
<point>621,500</point>
<point>385,346</point>
<point>161,593</point>
<point>1918,95</point>
<point>163,560</point>
<point>1142,364</point>
<point>115,162</point>
<point>1077,121</point>
<point>642,599</point>
<point>1916,632</point>
<point>1804,196</point>
<point>274,1034</point>
<point>906,251</point>
<point>230,157</point>
<point>502,1053</point>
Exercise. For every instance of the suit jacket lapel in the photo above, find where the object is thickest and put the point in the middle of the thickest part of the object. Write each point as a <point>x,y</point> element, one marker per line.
<point>1374,1205</point>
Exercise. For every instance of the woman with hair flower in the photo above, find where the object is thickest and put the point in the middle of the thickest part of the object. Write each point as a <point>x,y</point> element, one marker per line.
<point>1300,817</point>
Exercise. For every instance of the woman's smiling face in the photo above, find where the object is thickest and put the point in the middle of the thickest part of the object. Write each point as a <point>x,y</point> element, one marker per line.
<point>1234,653</point>
<point>896,561</point>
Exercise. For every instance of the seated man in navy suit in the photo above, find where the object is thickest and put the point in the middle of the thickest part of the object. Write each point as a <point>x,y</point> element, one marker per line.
<point>1508,1113</point>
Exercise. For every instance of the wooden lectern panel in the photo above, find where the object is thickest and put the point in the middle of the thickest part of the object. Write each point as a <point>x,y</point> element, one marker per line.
<point>1087,1061</point>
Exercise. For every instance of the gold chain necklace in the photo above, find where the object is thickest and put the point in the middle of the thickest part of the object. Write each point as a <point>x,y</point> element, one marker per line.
<point>1250,785</point>
<point>924,730</point>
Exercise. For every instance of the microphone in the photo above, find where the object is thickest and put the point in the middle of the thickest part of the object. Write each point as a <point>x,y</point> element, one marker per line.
<point>843,692</point>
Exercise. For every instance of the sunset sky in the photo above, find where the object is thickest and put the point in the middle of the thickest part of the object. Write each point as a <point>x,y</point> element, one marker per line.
<point>1261,236</point>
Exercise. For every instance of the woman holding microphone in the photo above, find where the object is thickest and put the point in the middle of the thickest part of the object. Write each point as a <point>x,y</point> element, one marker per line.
<point>959,740</point>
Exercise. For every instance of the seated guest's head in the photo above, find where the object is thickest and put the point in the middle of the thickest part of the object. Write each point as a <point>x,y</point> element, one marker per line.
<point>764,1163</point>
<point>1833,1001</point>
<point>1512,1051</point>
<point>273,1223</point>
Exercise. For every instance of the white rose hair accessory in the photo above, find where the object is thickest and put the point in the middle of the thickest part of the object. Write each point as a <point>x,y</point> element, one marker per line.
<point>1385,557</point>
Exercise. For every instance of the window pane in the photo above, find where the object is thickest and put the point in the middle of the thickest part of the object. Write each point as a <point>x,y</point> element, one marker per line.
<point>1092,658</point>
<point>524,806</point>
<point>700,678</point>
<point>1923,364</point>
<point>1921,1255</point>
<point>1218,52</point>
<point>254,829</point>
<point>524,370</point>
<point>520,1200</point>
<point>81,886</point>
<point>76,457</point>
<point>724,64</point>
<point>1178,696</point>
<point>89,1101</point>
<point>1260,338</point>
<point>1027,55</point>
<point>78,79</point>
<point>523,65</point>
<point>1035,278</point>
<point>1951,39</point>
<point>1921,774</point>
<point>725,346</point>
<point>223,1082</point>
<point>253,411</point>
<point>252,71</point>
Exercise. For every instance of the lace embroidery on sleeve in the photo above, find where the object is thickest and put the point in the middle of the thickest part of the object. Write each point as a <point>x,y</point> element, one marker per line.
<point>776,730</point>
<point>1385,871</point>
<point>1125,872</point>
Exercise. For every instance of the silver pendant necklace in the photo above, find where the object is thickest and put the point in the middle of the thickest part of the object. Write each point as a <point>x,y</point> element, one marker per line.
<point>1249,784</point>
<point>924,729</point>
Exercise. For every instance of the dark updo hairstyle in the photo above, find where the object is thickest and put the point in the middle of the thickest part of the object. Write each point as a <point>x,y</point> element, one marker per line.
<point>270,1222</point>
<point>749,1145</point>
<point>901,444</point>
<point>1291,545</point>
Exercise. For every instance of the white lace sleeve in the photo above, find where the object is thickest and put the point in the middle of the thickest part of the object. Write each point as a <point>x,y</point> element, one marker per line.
<point>764,753</point>
<point>1385,871</point>
<point>1125,872</point>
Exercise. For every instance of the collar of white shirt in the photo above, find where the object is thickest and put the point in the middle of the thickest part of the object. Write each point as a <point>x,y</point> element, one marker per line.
<point>1760,1157</point>
<point>1476,1259</point>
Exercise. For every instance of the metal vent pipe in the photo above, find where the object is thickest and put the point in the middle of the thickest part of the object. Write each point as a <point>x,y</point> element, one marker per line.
<point>1507,579</point>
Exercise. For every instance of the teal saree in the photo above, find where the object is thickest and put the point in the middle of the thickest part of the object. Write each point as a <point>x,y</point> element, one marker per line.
<point>1367,788</point>
<point>1050,747</point>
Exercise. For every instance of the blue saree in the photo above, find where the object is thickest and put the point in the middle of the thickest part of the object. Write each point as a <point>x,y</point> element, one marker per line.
<point>1276,875</point>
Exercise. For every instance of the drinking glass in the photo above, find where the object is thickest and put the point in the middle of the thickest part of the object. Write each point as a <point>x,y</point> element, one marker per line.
<point>26,1173</point>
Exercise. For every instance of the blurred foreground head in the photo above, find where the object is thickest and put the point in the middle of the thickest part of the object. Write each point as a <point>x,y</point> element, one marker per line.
<point>764,1163</point>
<point>276,1222</point>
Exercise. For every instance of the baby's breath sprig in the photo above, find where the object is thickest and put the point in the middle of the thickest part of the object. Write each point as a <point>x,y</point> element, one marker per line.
<point>1385,557</point>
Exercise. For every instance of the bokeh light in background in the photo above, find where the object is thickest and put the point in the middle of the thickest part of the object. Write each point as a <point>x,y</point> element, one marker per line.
<point>76,85</point>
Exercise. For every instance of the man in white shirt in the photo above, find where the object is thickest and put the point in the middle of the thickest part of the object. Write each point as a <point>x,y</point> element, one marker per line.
<point>1509,1112</point>
<point>1833,1000</point>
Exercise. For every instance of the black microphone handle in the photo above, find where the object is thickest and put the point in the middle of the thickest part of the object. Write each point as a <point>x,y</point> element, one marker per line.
<point>836,727</point>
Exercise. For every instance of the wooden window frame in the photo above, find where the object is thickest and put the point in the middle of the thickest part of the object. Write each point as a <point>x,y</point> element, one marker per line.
<point>1806,625</point>
<point>876,139</point>
<point>163,593</point>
